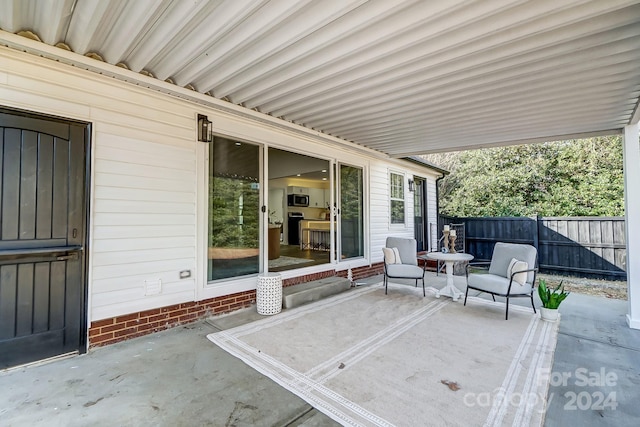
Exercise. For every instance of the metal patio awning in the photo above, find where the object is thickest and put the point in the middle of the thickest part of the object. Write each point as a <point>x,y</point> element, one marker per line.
<point>398,76</point>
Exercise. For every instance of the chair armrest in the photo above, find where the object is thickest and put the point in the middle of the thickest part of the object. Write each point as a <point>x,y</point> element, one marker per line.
<point>513,273</point>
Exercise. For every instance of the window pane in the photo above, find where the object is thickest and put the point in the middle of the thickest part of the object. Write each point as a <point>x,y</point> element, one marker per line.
<point>397,212</point>
<point>234,205</point>
<point>397,186</point>
<point>396,202</point>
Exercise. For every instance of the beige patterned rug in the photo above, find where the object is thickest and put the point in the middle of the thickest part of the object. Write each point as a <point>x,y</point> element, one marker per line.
<point>365,358</point>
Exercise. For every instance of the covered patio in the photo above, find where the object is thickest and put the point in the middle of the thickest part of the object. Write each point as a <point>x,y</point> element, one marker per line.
<point>377,81</point>
<point>178,377</point>
<point>397,78</point>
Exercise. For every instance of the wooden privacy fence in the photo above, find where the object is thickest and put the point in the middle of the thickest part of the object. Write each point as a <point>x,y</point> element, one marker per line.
<point>586,246</point>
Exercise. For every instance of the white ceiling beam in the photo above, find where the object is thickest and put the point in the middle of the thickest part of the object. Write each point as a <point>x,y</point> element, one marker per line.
<point>461,107</point>
<point>482,95</point>
<point>540,118</point>
<point>122,35</point>
<point>90,24</point>
<point>388,22</point>
<point>239,39</point>
<point>163,32</point>
<point>541,123</point>
<point>314,45</point>
<point>585,122</point>
<point>215,21</point>
<point>551,138</point>
<point>433,49</point>
<point>464,103</point>
<point>49,20</point>
<point>393,75</point>
<point>314,17</point>
<point>488,115</point>
<point>465,70</point>
<point>454,139</point>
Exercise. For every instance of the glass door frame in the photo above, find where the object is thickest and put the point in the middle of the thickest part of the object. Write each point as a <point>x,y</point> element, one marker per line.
<point>337,195</point>
<point>208,152</point>
<point>264,255</point>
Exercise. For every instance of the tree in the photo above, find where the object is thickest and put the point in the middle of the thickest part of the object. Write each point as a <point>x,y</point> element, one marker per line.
<point>566,178</point>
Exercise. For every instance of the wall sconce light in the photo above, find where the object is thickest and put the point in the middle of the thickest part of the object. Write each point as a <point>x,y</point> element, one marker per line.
<point>204,129</point>
<point>411,187</point>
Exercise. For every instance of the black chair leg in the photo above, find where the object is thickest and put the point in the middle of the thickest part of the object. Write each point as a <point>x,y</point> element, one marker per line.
<point>494,297</point>
<point>385,284</point>
<point>465,296</point>
<point>532,305</point>
<point>424,292</point>
<point>506,316</point>
<point>416,283</point>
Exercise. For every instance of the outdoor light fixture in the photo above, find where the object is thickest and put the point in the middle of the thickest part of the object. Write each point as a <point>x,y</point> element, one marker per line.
<point>204,129</point>
<point>411,185</point>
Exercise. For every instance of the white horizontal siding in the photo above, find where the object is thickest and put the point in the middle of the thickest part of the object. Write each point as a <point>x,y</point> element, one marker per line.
<point>106,232</point>
<point>123,259</point>
<point>136,274</point>
<point>144,180</point>
<point>114,193</point>
<point>379,209</point>
<point>138,222</point>
<point>143,177</point>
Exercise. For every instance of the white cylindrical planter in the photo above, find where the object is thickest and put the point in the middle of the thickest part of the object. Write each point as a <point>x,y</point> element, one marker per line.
<point>269,294</point>
<point>548,314</point>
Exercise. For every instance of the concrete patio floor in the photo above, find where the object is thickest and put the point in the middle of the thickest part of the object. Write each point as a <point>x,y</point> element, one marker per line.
<point>179,378</point>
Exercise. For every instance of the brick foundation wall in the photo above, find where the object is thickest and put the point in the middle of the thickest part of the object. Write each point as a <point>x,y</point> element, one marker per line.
<point>110,331</point>
<point>308,278</point>
<point>120,328</point>
<point>363,272</point>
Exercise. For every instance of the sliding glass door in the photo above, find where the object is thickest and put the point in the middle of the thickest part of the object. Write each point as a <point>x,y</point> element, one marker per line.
<point>313,213</point>
<point>234,209</point>
<point>351,211</point>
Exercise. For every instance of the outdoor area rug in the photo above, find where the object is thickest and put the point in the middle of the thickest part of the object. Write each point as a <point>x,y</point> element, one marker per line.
<point>370,359</point>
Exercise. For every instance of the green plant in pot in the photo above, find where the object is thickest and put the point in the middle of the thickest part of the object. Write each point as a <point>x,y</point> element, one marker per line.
<point>551,299</point>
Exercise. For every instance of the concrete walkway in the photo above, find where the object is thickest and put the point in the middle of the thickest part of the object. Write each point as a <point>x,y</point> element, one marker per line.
<point>179,378</point>
<point>171,378</point>
<point>596,371</point>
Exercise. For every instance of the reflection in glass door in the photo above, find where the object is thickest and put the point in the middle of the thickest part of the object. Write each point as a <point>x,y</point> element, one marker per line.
<point>351,212</point>
<point>234,206</point>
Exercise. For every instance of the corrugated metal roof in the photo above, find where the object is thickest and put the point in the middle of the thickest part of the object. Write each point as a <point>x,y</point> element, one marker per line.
<point>399,76</point>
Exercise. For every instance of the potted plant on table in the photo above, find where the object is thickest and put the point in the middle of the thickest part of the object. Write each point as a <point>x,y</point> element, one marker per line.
<point>551,299</point>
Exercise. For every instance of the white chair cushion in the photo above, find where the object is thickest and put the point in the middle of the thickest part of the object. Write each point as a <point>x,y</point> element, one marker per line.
<point>404,271</point>
<point>515,265</point>
<point>496,284</point>
<point>391,256</point>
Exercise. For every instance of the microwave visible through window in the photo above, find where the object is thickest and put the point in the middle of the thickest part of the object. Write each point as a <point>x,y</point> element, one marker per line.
<point>298,200</point>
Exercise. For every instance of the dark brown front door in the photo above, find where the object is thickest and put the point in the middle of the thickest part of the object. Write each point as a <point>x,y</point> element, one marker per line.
<point>43,182</point>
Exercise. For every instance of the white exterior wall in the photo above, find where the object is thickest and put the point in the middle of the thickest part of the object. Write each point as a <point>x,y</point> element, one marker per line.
<point>148,181</point>
<point>381,226</point>
<point>143,223</point>
<point>143,179</point>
